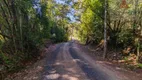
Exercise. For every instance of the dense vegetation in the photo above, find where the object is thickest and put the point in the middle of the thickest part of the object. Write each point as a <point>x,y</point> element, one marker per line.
<point>24,26</point>
<point>27,24</point>
<point>123,22</point>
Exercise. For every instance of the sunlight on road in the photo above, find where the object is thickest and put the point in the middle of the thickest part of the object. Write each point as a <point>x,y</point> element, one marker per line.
<point>67,77</point>
<point>57,76</point>
<point>52,76</point>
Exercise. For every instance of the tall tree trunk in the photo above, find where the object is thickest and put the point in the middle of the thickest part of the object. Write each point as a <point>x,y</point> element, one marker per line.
<point>20,29</point>
<point>135,27</point>
<point>105,30</point>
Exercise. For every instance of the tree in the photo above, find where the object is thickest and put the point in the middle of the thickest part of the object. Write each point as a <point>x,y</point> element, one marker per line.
<point>24,28</point>
<point>105,30</point>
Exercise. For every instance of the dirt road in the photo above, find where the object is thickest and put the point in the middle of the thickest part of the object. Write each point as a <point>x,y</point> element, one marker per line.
<point>68,62</point>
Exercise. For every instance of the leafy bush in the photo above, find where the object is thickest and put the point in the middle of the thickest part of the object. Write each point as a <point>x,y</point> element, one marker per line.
<point>140,65</point>
<point>125,37</point>
<point>60,35</point>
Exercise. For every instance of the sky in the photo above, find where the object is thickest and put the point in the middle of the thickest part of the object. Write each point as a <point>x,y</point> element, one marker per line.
<point>60,1</point>
<point>71,13</point>
<point>36,5</point>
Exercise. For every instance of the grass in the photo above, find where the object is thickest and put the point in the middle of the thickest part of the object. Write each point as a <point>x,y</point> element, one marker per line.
<point>140,65</point>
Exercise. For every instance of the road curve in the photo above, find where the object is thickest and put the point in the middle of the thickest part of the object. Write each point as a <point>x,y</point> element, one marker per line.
<point>68,62</point>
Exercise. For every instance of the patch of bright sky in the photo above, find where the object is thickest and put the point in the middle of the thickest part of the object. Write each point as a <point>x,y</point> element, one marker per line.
<point>36,6</point>
<point>60,1</point>
<point>71,12</point>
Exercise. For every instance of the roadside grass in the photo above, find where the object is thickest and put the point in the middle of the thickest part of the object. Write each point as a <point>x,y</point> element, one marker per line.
<point>140,65</point>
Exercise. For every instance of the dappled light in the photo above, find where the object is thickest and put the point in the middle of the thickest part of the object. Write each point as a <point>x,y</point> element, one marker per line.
<point>70,39</point>
<point>67,77</point>
<point>52,76</point>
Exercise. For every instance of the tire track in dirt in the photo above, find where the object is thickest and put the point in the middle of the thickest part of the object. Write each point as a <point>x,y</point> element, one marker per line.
<point>64,67</point>
<point>93,70</point>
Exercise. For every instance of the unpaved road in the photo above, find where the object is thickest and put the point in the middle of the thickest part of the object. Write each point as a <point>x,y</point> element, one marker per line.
<point>68,62</point>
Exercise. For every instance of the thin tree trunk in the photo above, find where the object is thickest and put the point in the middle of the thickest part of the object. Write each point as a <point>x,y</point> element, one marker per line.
<point>105,30</point>
<point>135,26</point>
<point>20,27</point>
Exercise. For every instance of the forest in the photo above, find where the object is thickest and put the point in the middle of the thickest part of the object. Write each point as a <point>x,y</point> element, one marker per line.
<point>27,25</point>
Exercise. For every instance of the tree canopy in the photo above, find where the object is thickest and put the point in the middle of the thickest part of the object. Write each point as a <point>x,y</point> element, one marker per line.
<point>25,25</point>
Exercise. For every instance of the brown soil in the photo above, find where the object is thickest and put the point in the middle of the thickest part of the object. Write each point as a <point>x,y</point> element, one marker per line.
<point>72,61</point>
<point>32,70</point>
<point>134,74</point>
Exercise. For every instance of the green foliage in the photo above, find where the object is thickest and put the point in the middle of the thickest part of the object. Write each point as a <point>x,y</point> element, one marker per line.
<point>10,62</point>
<point>60,35</point>
<point>125,37</point>
<point>23,30</point>
<point>91,22</point>
<point>120,29</point>
<point>124,26</point>
<point>140,65</point>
